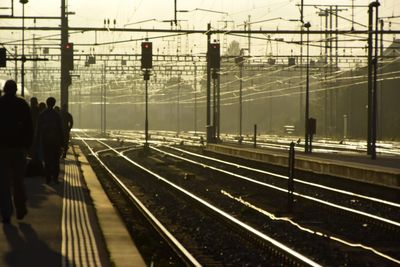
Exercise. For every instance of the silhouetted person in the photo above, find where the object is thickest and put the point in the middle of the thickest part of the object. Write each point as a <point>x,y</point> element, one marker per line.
<point>34,115</point>
<point>16,136</point>
<point>67,122</point>
<point>42,107</point>
<point>34,111</point>
<point>37,144</point>
<point>50,136</point>
<point>57,108</point>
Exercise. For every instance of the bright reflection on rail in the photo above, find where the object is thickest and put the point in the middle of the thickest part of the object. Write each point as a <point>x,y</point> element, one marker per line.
<point>187,254</point>
<point>221,212</point>
<point>285,190</point>
<point>274,218</point>
<point>285,177</point>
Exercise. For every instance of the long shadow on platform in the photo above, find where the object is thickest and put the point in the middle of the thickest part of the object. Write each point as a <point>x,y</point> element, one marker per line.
<point>27,249</point>
<point>38,192</point>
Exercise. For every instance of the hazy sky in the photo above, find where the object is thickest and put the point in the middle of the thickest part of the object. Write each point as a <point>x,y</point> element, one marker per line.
<point>93,12</point>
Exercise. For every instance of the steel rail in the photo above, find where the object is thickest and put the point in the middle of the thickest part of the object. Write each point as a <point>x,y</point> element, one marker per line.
<point>381,201</point>
<point>239,166</point>
<point>317,145</point>
<point>259,234</point>
<point>391,222</point>
<point>309,198</point>
<point>176,245</point>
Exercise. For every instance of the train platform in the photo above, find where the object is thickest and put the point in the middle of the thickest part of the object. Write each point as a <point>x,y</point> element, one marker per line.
<point>71,223</point>
<point>383,171</point>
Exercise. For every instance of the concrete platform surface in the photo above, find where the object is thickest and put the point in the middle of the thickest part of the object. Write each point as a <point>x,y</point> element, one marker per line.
<point>384,171</point>
<point>64,227</point>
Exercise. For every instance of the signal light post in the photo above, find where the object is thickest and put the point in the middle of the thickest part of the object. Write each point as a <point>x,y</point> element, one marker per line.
<point>239,61</point>
<point>146,65</point>
<point>67,64</point>
<point>69,56</point>
<point>372,79</point>
<point>307,112</point>
<point>23,2</point>
<point>208,97</point>
<point>65,75</point>
<point>3,57</point>
<point>214,59</point>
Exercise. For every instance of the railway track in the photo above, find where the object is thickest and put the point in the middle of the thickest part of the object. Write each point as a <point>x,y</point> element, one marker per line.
<point>251,244</point>
<point>272,142</point>
<point>212,179</point>
<point>182,255</point>
<point>358,210</point>
<point>307,189</point>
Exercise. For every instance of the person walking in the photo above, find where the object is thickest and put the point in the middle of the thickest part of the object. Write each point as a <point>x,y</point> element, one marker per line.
<point>42,107</point>
<point>34,167</point>
<point>50,136</point>
<point>34,111</point>
<point>67,122</point>
<point>15,141</point>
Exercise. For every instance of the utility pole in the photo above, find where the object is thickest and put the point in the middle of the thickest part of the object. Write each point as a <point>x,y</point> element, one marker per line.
<point>195,99</point>
<point>177,106</point>
<point>80,124</point>
<point>302,12</point>
<point>101,101</point>
<point>330,98</point>
<point>370,27</point>
<point>23,2</point>
<point>214,56</point>
<point>307,146</point>
<point>375,86</point>
<point>352,15</point>
<point>65,76</point>
<point>225,38</point>
<point>218,107</point>
<point>16,63</point>
<point>249,35</point>
<point>239,62</point>
<point>34,72</point>
<point>326,124</point>
<point>301,67</point>
<point>208,82</point>
<point>336,67</point>
<point>330,70</point>
<point>91,86</point>
<point>175,11</point>
<point>372,79</point>
<point>337,38</point>
<point>301,123</point>
<point>240,96</point>
<point>380,124</point>
<point>104,82</point>
<point>214,108</point>
<point>146,77</point>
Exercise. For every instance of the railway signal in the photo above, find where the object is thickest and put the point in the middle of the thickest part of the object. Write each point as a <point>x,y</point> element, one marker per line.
<point>68,51</point>
<point>214,55</point>
<point>147,55</point>
<point>3,59</point>
<point>146,65</point>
